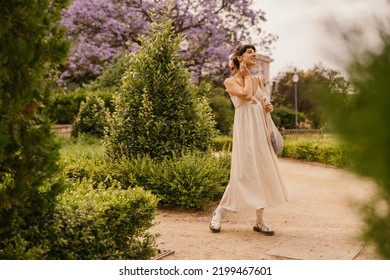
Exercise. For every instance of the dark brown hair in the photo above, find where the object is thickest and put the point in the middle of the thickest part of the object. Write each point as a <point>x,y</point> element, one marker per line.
<point>238,51</point>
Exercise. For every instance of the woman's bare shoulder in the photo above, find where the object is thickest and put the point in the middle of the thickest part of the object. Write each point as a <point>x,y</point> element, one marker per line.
<point>228,81</point>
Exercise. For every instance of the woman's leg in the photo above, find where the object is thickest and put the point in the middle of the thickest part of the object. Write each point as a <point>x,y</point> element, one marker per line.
<point>215,224</point>
<point>261,225</point>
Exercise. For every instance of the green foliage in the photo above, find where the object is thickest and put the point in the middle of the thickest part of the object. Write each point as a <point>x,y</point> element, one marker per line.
<point>25,228</point>
<point>103,223</point>
<point>313,85</point>
<point>158,112</point>
<point>362,122</point>
<point>223,113</point>
<point>111,77</point>
<point>32,44</point>
<point>221,105</point>
<point>189,181</point>
<point>284,117</point>
<point>92,118</point>
<point>64,107</point>
<point>315,149</point>
<point>223,143</point>
<point>324,150</point>
<point>86,221</point>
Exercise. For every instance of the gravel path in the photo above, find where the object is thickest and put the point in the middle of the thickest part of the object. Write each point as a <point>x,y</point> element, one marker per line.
<point>321,222</point>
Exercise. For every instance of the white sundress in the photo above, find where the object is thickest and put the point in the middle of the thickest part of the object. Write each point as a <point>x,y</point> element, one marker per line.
<point>256,180</point>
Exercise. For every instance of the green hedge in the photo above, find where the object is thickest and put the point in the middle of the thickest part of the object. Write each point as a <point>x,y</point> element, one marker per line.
<point>103,223</point>
<point>222,143</point>
<point>85,222</point>
<point>325,150</point>
<point>92,118</point>
<point>64,107</point>
<point>187,181</point>
<point>315,149</point>
<point>190,180</point>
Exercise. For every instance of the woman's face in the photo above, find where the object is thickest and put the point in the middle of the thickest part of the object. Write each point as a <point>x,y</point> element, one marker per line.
<point>249,57</point>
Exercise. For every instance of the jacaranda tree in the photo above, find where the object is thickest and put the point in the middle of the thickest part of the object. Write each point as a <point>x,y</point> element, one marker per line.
<point>104,29</point>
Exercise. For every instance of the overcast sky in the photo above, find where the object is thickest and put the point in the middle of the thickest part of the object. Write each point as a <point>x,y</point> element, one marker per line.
<point>303,39</point>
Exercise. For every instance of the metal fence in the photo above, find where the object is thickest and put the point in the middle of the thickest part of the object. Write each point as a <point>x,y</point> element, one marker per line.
<point>286,133</point>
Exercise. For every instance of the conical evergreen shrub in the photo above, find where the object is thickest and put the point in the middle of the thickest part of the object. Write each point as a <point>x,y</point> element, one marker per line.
<point>158,112</point>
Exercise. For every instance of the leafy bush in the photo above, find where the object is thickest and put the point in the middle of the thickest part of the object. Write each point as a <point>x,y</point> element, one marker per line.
<point>64,107</point>
<point>187,181</point>
<point>86,220</point>
<point>83,157</point>
<point>221,105</point>
<point>324,150</point>
<point>284,117</point>
<point>111,77</point>
<point>223,143</point>
<point>92,118</point>
<point>103,223</point>
<point>158,111</point>
<point>190,180</point>
<point>26,227</point>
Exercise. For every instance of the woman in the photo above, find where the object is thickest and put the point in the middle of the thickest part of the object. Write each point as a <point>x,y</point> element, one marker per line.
<point>256,181</point>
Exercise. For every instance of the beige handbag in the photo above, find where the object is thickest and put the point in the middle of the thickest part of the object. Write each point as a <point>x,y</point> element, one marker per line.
<point>275,138</point>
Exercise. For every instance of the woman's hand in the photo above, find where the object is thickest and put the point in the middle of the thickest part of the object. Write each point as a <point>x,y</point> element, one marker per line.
<point>244,71</point>
<point>269,108</point>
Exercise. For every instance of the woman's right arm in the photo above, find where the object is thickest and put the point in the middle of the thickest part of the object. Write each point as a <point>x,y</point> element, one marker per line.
<point>236,90</point>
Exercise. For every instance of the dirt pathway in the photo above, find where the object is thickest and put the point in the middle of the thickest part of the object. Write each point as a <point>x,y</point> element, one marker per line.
<point>321,222</point>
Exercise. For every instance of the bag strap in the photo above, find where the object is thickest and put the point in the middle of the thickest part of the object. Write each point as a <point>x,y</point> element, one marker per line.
<point>260,83</point>
<point>267,114</point>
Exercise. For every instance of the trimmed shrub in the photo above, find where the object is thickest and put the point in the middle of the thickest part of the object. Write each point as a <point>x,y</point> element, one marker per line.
<point>221,105</point>
<point>323,150</point>
<point>189,181</point>
<point>63,108</point>
<point>92,118</point>
<point>103,223</point>
<point>223,143</point>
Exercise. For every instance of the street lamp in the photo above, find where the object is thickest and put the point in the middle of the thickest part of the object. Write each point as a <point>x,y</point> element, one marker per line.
<point>295,80</point>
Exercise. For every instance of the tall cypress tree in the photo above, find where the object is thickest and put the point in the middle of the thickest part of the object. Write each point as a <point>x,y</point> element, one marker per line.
<point>31,43</point>
<point>158,111</point>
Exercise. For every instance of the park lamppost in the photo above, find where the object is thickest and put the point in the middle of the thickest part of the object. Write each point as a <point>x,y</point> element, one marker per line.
<point>295,80</point>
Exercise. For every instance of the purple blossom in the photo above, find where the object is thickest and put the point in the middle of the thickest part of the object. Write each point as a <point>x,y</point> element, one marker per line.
<point>104,29</point>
